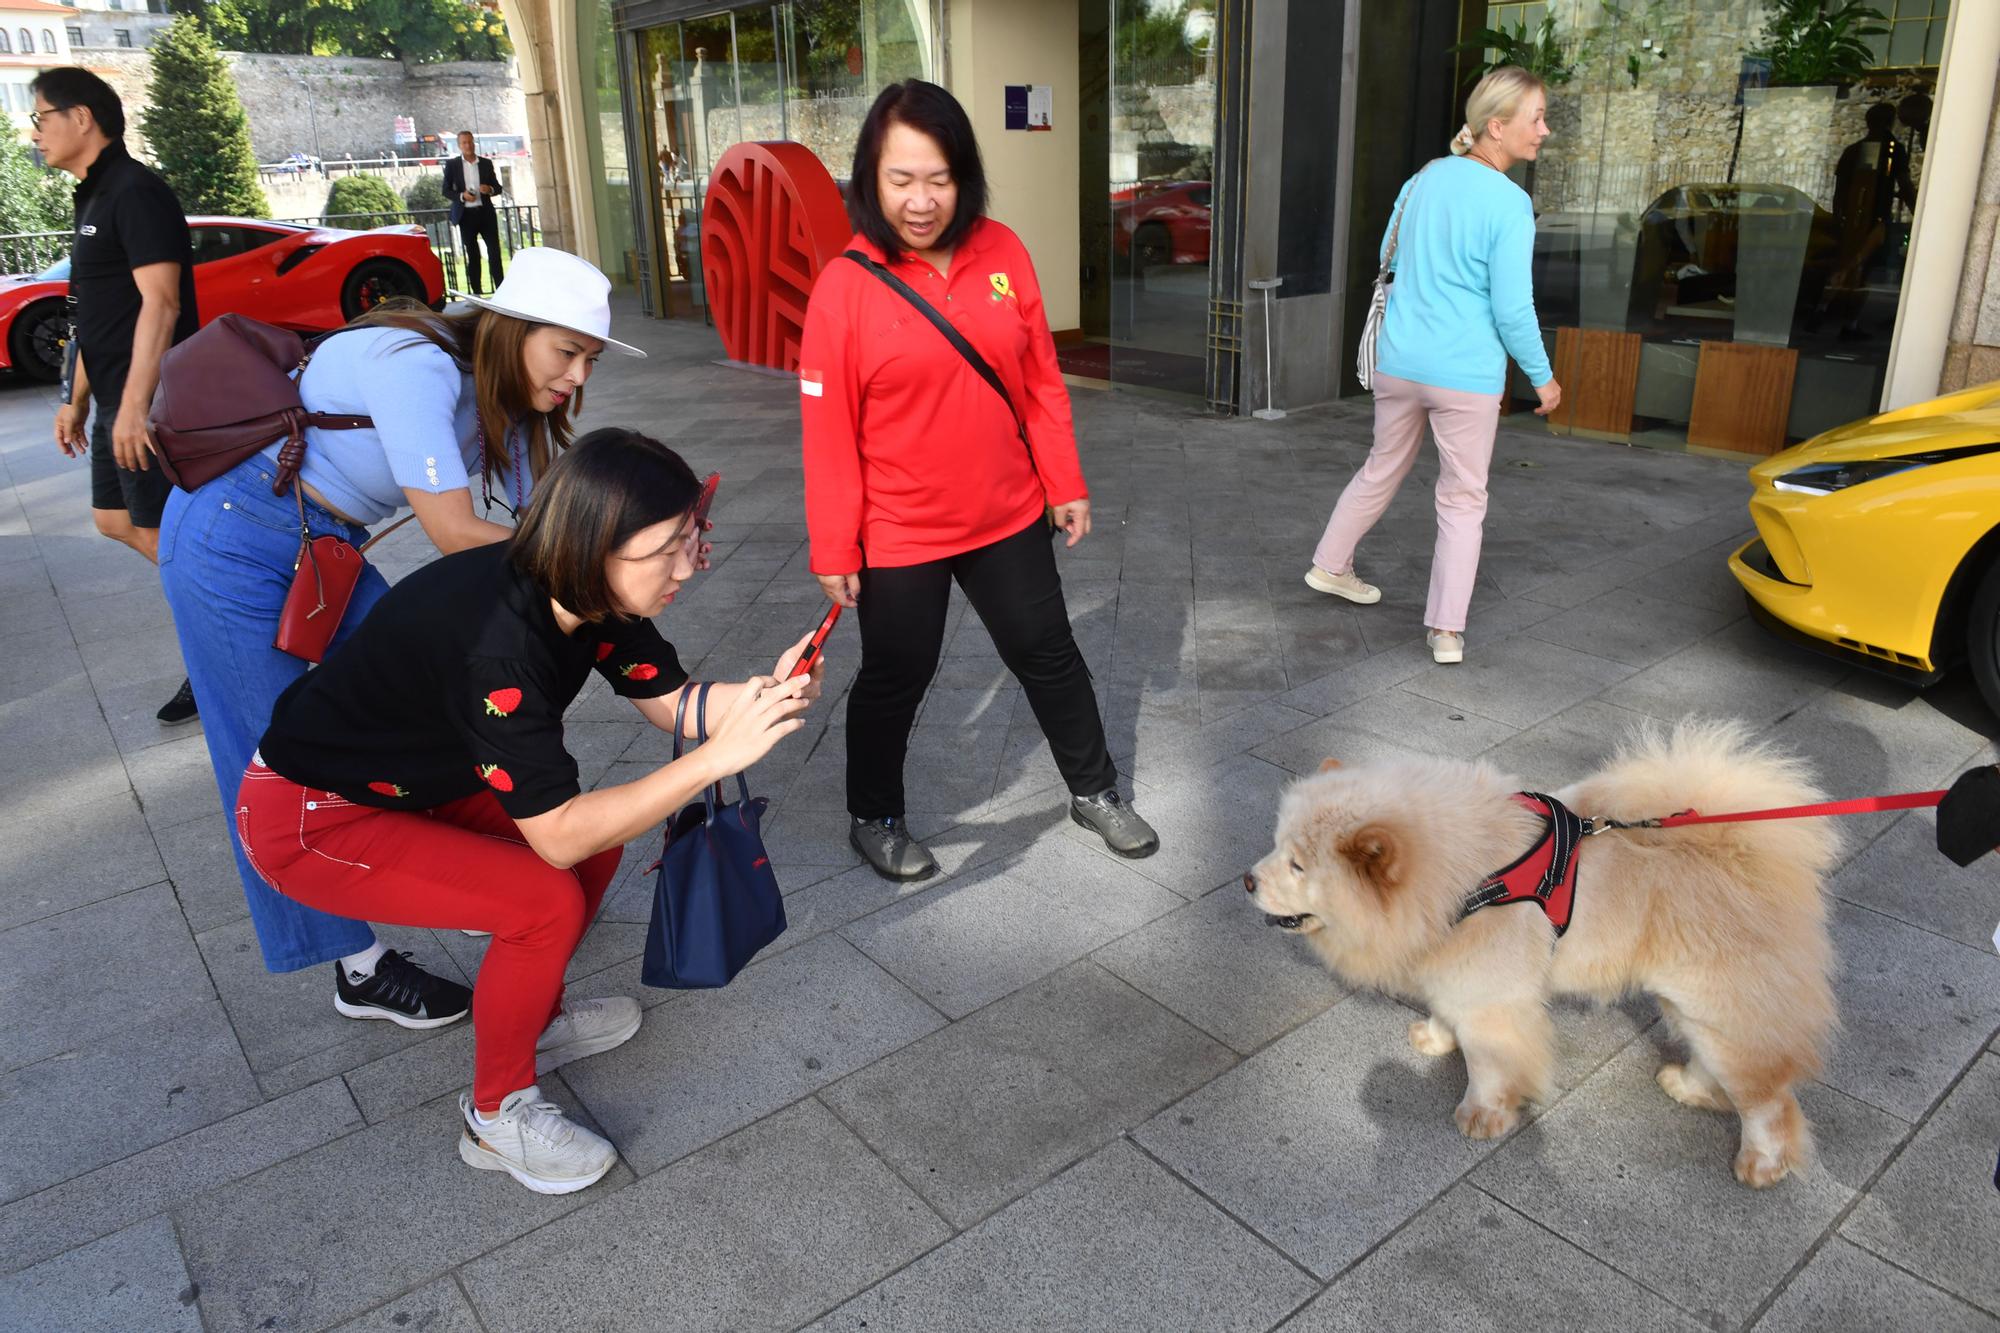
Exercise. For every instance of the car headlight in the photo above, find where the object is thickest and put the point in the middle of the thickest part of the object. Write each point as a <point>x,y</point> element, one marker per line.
<point>1826,478</point>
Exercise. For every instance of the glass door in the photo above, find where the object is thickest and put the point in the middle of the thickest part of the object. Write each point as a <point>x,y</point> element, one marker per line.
<point>1722,214</point>
<point>805,71</point>
<point>1149,145</point>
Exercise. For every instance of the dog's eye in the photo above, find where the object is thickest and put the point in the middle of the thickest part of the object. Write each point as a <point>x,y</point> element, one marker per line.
<point>1298,869</point>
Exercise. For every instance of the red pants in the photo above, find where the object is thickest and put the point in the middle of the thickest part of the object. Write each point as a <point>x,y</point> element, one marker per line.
<point>464,866</point>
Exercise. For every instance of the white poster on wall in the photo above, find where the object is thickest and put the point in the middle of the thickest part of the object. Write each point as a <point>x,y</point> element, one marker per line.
<point>1041,107</point>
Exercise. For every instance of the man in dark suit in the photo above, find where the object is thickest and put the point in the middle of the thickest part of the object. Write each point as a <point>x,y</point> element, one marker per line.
<point>472,207</point>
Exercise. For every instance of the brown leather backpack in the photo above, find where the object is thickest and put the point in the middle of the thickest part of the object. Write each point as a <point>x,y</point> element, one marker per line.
<point>230,391</point>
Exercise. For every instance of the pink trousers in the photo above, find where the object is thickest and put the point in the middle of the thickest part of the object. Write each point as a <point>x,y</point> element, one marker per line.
<point>1464,424</point>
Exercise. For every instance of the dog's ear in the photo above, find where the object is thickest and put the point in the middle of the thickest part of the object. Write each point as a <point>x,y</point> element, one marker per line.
<point>1328,765</point>
<point>1376,853</point>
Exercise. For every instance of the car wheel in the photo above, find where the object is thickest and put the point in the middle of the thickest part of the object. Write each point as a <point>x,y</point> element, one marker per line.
<point>1982,638</point>
<point>375,281</point>
<point>1151,246</point>
<point>36,344</point>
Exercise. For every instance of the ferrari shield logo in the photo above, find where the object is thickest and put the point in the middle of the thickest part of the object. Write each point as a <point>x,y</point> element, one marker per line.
<point>1002,288</point>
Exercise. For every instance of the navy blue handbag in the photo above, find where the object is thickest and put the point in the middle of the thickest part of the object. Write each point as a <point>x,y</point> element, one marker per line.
<point>716,901</point>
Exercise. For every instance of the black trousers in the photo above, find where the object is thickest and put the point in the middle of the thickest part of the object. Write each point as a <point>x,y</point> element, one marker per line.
<point>1015,590</point>
<point>481,223</point>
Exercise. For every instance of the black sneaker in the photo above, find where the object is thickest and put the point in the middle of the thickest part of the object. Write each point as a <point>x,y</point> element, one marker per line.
<point>180,708</point>
<point>401,992</point>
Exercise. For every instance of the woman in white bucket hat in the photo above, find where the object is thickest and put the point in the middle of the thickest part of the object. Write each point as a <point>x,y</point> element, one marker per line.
<point>469,407</point>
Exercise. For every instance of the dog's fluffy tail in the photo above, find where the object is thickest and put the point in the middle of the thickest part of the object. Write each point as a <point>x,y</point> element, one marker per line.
<point>1755,890</point>
<point>1714,767</point>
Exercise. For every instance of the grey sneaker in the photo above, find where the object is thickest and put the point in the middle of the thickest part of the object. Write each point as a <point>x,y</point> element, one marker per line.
<point>586,1027</point>
<point>1123,831</point>
<point>886,844</point>
<point>534,1142</point>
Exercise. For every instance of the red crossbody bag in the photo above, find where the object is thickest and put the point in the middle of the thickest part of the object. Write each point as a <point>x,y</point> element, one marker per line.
<point>323,583</point>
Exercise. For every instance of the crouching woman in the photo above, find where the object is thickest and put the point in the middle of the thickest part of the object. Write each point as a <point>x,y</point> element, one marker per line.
<point>420,778</point>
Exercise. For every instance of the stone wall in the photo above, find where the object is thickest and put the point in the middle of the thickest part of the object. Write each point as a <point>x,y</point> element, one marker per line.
<point>338,106</point>
<point>1973,354</point>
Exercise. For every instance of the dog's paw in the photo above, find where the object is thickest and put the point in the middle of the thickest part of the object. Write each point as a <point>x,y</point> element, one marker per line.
<point>1485,1122</point>
<point>1431,1037</point>
<point>1760,1168</point>
<point>1677,1083</point>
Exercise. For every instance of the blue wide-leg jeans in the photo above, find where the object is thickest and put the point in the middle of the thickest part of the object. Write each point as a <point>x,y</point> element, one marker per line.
<point>226,556</point>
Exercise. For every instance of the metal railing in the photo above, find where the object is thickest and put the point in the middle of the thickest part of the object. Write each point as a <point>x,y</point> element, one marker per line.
<point>520,226</point>
<point>32,251</point>
<point>331,168</point>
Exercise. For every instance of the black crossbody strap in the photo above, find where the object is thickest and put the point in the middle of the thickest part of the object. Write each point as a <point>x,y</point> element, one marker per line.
<point>951,334</point>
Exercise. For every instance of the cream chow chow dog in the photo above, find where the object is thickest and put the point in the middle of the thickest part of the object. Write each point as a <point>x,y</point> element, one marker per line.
<point>1723,924</point>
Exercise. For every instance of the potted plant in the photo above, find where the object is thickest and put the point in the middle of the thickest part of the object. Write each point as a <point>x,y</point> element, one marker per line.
<point>1818,41</point>
<point>1542,55</point>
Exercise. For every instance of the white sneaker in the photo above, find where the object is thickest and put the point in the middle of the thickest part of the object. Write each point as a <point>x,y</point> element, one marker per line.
<point>1343,585</point>
<point>534,1142</point>
<point>1446,646</point>
<point>586,1027</point>
<point>478,934</point>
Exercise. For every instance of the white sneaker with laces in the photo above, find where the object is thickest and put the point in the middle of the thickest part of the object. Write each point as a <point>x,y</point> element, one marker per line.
<point>586,1027</point>
<point>1343,585</point>
<point>1446,646</point>
<point>534,1142</point>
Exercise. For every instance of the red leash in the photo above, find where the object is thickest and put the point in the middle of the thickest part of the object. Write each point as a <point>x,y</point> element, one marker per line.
<point>1860,805</point>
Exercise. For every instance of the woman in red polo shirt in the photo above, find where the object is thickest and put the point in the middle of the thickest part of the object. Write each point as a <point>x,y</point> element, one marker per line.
<point>921,470</point>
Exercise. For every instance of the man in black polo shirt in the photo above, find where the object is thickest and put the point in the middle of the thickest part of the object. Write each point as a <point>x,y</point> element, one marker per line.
<point>131,286</point>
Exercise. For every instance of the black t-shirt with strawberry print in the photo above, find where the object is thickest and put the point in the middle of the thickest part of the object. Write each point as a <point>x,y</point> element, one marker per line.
<point>456,683</point>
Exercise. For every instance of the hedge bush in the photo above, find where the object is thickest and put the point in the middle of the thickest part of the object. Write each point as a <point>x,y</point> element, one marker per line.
<point>373,199</point>
<point>426,194</point>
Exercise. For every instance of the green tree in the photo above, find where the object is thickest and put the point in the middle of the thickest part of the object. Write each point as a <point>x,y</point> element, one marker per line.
<point>32,198</point>
<point>196,126</point>
<point>361,202</point>
<point>271,27</point>
<point>418,31</point>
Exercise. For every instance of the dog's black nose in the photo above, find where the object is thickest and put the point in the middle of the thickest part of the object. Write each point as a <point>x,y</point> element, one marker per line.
<point>1249,882</point>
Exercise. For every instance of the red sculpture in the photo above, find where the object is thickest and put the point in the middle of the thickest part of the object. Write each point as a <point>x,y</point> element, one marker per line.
<point>773,219</point>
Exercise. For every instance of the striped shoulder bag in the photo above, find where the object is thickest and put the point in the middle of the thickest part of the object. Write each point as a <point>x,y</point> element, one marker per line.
<point>1378,304</point>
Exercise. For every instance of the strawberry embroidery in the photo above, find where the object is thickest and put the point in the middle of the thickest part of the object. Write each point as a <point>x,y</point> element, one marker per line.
<point>502,703</point>
<point>386,789</point>
<point>496,777</point>
<point>639,671</point>
<point>603,651</point>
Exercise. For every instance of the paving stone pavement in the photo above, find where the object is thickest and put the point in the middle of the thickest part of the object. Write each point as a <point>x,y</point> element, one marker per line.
<point>1049,1089</point>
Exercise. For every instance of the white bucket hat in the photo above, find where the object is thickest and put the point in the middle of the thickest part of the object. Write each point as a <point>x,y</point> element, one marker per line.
<point>545,286</point>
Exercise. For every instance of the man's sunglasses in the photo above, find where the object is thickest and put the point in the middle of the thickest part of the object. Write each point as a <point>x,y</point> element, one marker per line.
<point>35,117</point>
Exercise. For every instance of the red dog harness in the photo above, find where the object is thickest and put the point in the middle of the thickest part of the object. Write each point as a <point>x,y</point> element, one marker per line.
<point>1545,874</point>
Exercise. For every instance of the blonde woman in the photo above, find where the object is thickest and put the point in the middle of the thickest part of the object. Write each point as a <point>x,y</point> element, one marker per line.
<point>1462,302</point>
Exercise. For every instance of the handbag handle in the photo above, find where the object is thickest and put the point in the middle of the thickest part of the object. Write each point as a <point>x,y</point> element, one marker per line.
<point>713,795</point>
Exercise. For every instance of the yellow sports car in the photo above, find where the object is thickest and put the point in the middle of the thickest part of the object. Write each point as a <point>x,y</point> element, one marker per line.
<point>1880,540</point>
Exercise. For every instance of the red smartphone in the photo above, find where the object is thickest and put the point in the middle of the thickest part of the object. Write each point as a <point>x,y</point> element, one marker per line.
<point>706,498</point>
<point>811,654</point>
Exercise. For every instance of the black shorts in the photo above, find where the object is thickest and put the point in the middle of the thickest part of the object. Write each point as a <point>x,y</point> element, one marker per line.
<point>143,495</point>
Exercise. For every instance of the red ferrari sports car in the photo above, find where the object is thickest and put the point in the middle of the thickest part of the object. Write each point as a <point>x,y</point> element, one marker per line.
<point>1155,223</point>
<point>304,278</point>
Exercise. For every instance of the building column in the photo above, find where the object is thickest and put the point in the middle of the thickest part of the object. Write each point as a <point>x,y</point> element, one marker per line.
<point>1958,209</point>
<point>531,27</point>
